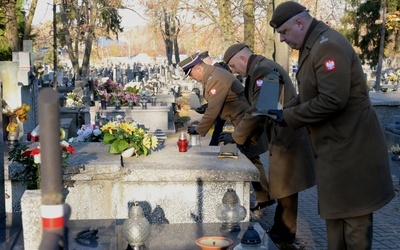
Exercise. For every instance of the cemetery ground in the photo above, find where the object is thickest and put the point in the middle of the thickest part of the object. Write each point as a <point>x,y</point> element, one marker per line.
<point>311,232</point>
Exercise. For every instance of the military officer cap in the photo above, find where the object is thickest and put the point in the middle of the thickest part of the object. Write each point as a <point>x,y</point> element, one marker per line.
<point>233,50</point>
<point>204,54</point>
<point>189,63</point>
<point>284,12</point>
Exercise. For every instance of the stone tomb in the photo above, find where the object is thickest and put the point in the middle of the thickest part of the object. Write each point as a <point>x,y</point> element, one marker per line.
<point>153,118</point>
<point>172,187</point>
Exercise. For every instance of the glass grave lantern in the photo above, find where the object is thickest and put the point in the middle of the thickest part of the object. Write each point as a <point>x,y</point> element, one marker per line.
<point>230,212</point>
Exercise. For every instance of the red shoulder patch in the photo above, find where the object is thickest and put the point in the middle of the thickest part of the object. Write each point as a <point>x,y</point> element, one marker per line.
<point>330,65</point>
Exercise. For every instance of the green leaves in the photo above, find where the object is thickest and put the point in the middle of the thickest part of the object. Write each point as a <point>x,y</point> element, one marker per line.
<point>118,146</point>
<point>108,138</point>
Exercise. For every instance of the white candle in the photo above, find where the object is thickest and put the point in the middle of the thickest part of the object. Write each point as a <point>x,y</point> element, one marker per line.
<point>215,242</point>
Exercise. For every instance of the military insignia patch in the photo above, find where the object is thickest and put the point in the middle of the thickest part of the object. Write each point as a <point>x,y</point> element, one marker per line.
<point>213,91</point>
<point>330,65</point>
<point>259,82</point>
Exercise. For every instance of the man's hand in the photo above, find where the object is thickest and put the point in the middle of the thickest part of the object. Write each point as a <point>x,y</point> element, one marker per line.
<point>226,138</point>
<point>192,130</point>
<point>201,109</point>
<point>276,115</point>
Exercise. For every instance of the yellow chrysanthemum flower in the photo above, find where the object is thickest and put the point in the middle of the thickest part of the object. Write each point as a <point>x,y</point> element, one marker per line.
<point>26,107</point>
<point>12,127</point>
<point>110,126</point>
<point>22,110</point>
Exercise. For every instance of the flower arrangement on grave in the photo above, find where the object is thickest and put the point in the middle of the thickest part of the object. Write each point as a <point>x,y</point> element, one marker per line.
<point>133,87</point>
<point>28,155</point>
<point>88,133</point>
<point>19,114</point>
<point>131,91</point>
<point>105,89</point>
<point>104,95</point>
<point>125,135</point>
<point>117,94</point>
<point>73,100</point>
<point>150,86</point>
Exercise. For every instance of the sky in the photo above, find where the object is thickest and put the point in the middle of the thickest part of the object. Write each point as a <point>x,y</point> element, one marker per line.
<point>44,12</point>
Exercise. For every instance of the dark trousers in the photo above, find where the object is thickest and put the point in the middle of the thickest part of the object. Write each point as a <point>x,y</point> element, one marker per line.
<point>353,233</point>
<point>285,219</point>
<point>218,127</point>
<point>261,188</point>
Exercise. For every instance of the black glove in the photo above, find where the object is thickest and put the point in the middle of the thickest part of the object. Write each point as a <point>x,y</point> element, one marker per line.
<point>276,115</point>
<point>226,138</point>
<point>201,109</point>
<point>192,130</point>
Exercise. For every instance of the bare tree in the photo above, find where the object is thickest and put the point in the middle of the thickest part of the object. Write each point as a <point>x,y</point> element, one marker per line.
<point>17,25</point>
<point>29,20</point>
<point>82,22</point>
<point>11,31</point>
<point>164,18</point>
<point>249,22</point>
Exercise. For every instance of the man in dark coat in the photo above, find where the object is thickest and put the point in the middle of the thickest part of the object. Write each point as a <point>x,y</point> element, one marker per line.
<point>225,97</point>
<point>333,103</point>
<point>291,164</point>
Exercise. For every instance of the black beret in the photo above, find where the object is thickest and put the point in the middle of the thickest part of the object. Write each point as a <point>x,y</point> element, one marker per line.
<point>189,63</point>
<point>284,12</point>
<point>233,50</point>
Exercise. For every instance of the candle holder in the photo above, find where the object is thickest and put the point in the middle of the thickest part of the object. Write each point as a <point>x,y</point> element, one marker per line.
<point>182,142</point>
<point>230,212</point>
<point>117,104</point>
<point>214,243</point>
<point>153,99</point>
<point>143,101</point>
<point>130,103</point>
<point>136,229</point>
<point>250,240</point>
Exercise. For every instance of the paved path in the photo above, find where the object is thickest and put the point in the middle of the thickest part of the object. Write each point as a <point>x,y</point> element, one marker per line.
<point>388,98</point>
<point>311,232</point>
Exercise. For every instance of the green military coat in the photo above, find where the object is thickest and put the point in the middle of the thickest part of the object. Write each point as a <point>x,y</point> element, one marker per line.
<point>225,96</point>
<point>291,164</point>
<point>353,175</point>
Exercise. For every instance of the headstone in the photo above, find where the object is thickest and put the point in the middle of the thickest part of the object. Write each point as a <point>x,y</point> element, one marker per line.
<point>194,100</point>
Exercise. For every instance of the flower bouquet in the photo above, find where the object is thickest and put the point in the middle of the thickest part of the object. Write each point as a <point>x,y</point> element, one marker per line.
<point>88,133</point>
<point>124,135</point>
<point>20,113</point>
<point>73,100</point>
<point>29,157</point>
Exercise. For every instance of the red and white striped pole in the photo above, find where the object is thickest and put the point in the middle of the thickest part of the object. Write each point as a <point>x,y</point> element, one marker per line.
<point>52,209</point>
